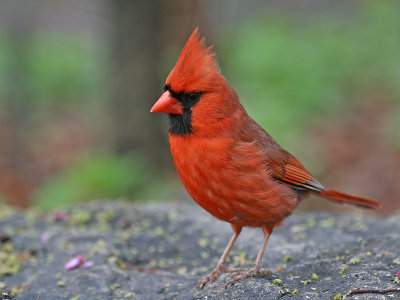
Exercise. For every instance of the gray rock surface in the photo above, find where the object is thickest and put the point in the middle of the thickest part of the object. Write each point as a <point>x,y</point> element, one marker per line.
<point>159,251</point>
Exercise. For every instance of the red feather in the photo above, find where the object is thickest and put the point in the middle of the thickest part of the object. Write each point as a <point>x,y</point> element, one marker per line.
<point>347,198</point>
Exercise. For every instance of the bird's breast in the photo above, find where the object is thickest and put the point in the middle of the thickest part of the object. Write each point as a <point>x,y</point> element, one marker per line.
<point>201,164</point>
<point>230,183</point>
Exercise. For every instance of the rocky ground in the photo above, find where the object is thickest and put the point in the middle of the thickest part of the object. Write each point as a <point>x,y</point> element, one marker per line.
<point>159,251</point>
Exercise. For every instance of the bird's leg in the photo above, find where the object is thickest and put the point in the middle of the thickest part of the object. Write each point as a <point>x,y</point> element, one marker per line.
<point>221,264</point>
<point>242,274</point>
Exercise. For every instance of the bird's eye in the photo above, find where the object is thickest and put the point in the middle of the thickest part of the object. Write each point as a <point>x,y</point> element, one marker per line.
<point>193,97</point>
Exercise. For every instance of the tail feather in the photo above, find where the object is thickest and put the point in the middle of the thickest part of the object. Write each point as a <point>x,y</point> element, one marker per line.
<point>346,198</point>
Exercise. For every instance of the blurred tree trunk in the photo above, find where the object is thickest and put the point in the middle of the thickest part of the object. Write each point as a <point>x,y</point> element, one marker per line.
<point>136,55</point>
<point>17,180</point>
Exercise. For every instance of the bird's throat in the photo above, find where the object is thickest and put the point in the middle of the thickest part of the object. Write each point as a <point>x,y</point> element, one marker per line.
<point>181,124</point>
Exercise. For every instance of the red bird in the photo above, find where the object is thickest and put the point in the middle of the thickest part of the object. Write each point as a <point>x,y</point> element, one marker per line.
<point>229,165</point>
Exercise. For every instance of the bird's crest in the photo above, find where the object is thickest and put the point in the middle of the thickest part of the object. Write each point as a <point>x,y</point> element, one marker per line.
<point>196,67</point>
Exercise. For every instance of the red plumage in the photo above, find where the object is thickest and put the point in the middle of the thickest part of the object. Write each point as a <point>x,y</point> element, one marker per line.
<point>229,165</point>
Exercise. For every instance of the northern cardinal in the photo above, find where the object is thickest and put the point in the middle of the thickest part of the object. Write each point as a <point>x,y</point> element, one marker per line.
<point>229,165</point>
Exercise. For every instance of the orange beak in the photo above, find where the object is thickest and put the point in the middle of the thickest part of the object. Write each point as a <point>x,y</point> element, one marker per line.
<point>167,104</point>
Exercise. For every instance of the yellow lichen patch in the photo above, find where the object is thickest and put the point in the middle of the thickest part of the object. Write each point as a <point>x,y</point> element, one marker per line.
<point>6,212</point>
<point>354,260</point>
<point>9,262</point>
<point>241,258</point>
<point>343,270</point>
<point>396,261</point>
<point>182,270</point>
<point>286,259</point>
<point>159,230</point>
<point>202,242</point>
<point>79,217</point>
<point>326,223</point>
<point>338,297</point>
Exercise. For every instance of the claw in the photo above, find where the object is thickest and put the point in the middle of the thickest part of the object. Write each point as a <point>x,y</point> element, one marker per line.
<point>242,274</point>
<point>215,273</point>
<point>210,277</point>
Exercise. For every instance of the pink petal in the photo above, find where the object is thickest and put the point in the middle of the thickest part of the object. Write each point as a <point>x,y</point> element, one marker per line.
<point>398,274</point>
<point>44,237</point>
<point>87,264</point>
<point>60,216</point>
<point>74,263</point>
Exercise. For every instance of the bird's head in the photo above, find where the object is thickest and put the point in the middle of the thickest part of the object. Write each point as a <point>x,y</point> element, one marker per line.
<point>196,95</point>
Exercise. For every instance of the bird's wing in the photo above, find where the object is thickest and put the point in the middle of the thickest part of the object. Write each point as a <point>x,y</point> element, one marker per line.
<point>287,169</point>
<point>283,166</point>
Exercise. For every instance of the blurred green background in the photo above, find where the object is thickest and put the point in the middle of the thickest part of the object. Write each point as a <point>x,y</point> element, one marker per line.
<point>77,80</point>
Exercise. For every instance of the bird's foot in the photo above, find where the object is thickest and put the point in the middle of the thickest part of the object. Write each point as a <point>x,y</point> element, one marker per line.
<point>242,274</point>
<point>215,273</point>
